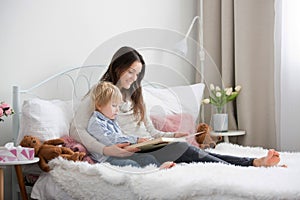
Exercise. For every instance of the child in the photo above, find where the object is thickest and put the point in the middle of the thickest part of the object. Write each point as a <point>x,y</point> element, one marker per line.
<point>102,126</point>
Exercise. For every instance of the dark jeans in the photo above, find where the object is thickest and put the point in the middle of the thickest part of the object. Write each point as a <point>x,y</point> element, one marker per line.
<point>136,160</point>
<point>181,152</point>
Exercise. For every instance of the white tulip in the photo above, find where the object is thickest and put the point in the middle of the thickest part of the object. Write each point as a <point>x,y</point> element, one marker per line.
<point>206,101</point>
<point>218,94</point>
<point>229,91</point>
<point>212,87</point>
<point>218,88</point>
<point>238,88</point>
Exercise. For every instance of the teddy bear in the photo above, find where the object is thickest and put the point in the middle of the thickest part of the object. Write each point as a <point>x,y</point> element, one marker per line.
<point>205,140</point>
<point>49,150</point>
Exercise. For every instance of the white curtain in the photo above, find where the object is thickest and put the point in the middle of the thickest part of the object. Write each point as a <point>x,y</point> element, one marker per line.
<point>287,74</point>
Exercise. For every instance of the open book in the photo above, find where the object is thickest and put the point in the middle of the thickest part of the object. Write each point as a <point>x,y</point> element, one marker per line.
<point>159,142</point>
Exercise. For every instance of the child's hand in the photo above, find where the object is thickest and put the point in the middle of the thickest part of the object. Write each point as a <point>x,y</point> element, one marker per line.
<point>177,135</point>
<point>119,150</point>
<point>140,140</point>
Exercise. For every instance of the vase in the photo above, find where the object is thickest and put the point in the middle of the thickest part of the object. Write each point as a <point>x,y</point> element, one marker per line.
<point>220,122</point>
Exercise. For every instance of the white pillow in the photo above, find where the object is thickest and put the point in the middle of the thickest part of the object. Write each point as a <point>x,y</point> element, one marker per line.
<point>174,100</point>
<point>45,119</point>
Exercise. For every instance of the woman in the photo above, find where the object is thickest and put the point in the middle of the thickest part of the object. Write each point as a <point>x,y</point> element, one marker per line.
<point>126,71</point>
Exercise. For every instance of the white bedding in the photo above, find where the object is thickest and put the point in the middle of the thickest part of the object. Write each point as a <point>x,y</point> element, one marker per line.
<point>69,180</point>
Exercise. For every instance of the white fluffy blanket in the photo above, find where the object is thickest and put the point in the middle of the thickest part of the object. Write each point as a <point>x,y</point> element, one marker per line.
<point>185,181</point>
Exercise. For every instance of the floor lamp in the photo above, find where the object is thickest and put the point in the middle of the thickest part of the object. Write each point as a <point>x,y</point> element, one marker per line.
<point>182,47</point>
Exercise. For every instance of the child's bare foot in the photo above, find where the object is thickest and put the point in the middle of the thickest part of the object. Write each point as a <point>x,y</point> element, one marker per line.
<point>167,165</point>
<point>271,159</point>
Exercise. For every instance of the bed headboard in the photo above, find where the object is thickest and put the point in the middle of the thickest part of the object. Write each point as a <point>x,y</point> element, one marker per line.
<point>71,84</point>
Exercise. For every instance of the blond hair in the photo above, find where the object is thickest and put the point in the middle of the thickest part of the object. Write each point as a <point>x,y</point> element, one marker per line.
<point>104,92</point>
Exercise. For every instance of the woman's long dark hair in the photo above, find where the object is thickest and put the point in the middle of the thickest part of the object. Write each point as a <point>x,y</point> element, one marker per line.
<point>120,63</point>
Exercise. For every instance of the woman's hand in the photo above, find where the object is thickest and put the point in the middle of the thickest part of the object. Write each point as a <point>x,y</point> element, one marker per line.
<point>177,135</point>
<point>118,150</point>
<point>140,140</point>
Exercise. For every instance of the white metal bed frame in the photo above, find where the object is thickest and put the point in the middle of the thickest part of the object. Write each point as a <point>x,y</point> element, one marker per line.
<point>69,73</point>
<point>81,79</point>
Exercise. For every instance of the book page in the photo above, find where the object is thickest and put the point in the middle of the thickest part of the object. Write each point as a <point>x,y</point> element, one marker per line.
<point>155,143</point>
<point>160,142</point>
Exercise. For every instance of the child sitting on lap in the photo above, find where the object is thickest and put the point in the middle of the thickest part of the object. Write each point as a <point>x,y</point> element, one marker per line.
<point>102,126</point>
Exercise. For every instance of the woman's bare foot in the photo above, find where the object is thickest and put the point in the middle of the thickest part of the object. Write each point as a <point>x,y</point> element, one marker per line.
<point>270,160</point>
<point>167,165</point>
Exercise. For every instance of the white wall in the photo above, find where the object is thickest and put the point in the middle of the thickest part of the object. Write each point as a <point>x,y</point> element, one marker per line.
<point>41,37</point>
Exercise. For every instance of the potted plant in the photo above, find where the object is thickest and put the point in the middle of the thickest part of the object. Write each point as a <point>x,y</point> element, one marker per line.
<point>219,98</point>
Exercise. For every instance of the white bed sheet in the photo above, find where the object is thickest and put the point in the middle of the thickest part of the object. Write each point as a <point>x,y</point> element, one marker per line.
<point>187,181</point>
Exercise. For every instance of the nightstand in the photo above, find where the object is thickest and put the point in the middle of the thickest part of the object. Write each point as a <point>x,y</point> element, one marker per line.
<point>18,168</point>
<point>227,134</point>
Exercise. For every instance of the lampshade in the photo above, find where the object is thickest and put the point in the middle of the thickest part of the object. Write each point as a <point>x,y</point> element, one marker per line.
<point>182,46</point>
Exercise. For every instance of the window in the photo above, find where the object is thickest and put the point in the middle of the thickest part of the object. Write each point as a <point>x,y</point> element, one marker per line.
<point>288,76</point>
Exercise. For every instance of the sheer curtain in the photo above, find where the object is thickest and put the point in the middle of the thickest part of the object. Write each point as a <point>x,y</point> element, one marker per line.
<point>288,74</point>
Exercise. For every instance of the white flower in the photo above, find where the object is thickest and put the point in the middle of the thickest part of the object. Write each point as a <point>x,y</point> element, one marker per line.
<point>219,97</point>
<point>228,91</point>
<point>5,110</point>
<point>206,101</point>
<point>238,88</point>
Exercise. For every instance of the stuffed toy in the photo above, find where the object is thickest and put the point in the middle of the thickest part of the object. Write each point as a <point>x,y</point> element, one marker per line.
<point>77,147</point>
<point>205,140</point>
<point>49,150</point>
